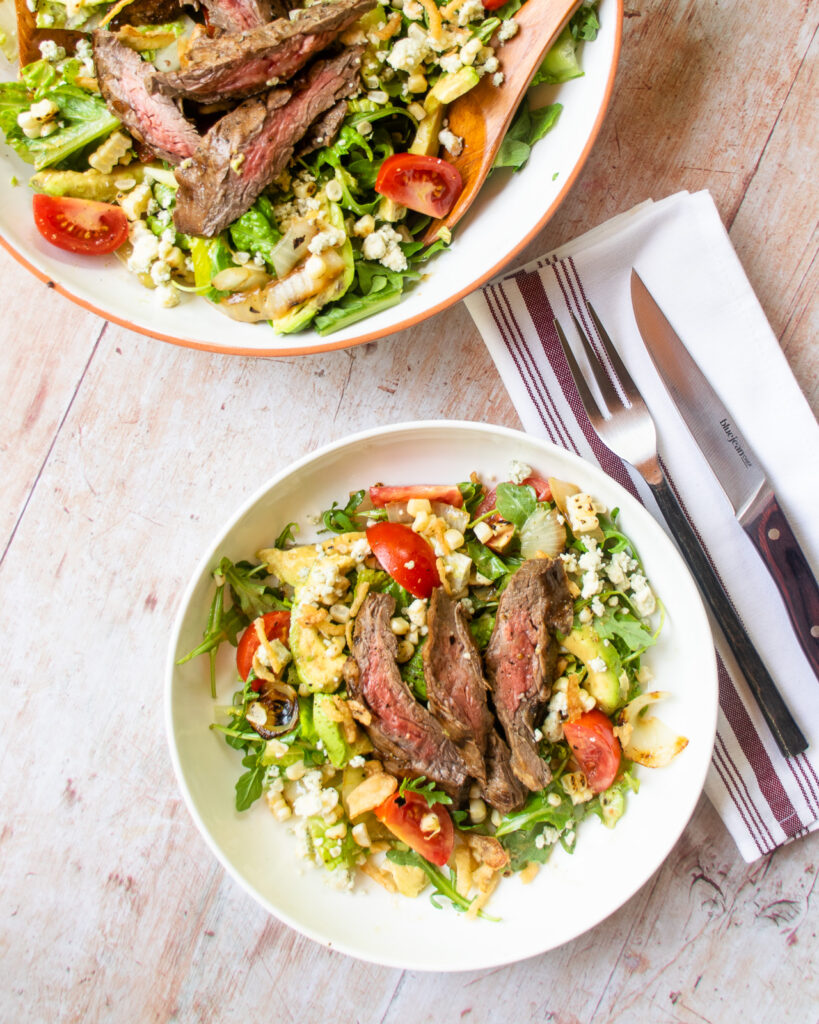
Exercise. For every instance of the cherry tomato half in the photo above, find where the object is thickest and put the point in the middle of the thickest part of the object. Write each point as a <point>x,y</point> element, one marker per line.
<point>381,496</point>
<point>422,183</point>
<point>595,747</point>
<point>406,556</point>
<point>80,225</point>
<point>276,627</point>
<point>427,830</point>
<point>493,5</point>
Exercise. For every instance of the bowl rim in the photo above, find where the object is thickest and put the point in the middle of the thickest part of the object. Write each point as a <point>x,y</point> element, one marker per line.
<point>371,335</point>
<point>707,735</point>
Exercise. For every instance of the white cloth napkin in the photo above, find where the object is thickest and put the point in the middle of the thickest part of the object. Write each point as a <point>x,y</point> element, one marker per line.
<point>683,253</point>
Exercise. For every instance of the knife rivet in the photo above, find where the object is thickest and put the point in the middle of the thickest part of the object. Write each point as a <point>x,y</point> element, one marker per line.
<point>773,534</point>
<point>814,632</point>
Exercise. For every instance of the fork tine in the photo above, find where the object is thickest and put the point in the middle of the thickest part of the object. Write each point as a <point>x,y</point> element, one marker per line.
<point>626,382</point>
<point>586,397</point>
<point>599,372</point>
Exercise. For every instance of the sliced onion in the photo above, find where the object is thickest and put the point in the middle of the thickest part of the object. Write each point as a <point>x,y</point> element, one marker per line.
<point>284,295</point>
<point>239,279</point>
<point>275,711</point>
<point>542,534</point>
<point>646,739</point>
<point>292,247</point>
<point>560,491</point>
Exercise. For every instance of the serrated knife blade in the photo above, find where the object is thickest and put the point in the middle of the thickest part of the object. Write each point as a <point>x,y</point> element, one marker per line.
<point>735,465</point>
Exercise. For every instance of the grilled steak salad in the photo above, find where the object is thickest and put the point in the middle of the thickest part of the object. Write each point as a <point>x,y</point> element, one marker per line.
<point>445,684</point>
<point>281,161</point>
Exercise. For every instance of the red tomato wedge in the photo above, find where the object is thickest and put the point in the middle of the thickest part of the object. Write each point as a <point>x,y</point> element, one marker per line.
<point>493,5</point>
<point>595,747</point>
<point>381,496</point>
<point>427,830</point>
<point>408,558</point>
<point>276,627</point>
<point>422,183</point>
<point>80,225</point>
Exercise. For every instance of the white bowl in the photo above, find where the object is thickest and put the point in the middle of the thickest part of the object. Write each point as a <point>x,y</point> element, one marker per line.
<point>510,210</point>
<point>571,893</point>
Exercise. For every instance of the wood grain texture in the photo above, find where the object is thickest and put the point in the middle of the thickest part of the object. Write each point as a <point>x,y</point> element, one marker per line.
<point>121,457</point>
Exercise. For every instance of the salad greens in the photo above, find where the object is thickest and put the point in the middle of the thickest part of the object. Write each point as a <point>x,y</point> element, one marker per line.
<point>305,744</point>
<point>56,120</point>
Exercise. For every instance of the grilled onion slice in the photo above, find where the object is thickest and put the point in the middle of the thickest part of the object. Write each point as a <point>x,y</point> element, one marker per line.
<point>275,711</point>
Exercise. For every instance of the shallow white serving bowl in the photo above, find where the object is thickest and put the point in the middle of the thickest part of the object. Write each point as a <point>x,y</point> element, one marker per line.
<point>510,210</point>
<point>571,893</point>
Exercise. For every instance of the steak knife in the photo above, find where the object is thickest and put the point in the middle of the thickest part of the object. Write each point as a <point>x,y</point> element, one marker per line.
<point>735,466</point>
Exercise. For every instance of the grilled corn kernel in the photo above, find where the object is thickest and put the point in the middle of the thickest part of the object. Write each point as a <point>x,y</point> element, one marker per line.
<point>453,539</point>
<point>360,834</point>
<point>416,505</point>
<point>296,771</point>
<point>399,626</point>
<point>477,811</point>
<point>405,651</point>
<point>483,531</point>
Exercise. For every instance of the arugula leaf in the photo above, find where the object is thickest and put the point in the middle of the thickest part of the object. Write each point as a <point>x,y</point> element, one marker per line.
<point>489,564</point>
<point>585,24</point>
<point>249,785</point>
<point>287,536</point>
<point>538,810</point>
<point>426,789</point>
<point>626,628</point>
<point>472,493</point>
<point>443,886</point>
<point>338,519</point>
<point>412,671</point>
<point>515,502</point>
<point>251,593</point>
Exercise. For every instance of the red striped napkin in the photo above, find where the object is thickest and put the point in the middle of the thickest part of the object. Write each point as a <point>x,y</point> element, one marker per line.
<point>684,255</point>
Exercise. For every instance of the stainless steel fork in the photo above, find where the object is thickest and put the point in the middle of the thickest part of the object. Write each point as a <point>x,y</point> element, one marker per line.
<point>624,425</point>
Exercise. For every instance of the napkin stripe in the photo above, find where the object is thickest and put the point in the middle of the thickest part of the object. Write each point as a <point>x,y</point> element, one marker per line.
<point>515,343</point>
<point>731,779</point>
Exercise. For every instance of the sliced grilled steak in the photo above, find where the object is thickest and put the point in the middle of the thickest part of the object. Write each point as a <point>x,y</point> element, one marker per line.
<point>246,63</point>
<point>240,15</point>
<point>252,145</point>
<point>503,790</point>
<point>323,131</point>
<point>408,739</point>
<point>153,120</point>
<point>456,688</point>
<point>521,656</point>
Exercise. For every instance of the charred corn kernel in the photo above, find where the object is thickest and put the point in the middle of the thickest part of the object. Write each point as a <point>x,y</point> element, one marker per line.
<point>296,771</point>
<point>107,155</point>
<point>418,110</point>
<point>360,834</point>
<point>422,521</point>
<point>279,806</point>
<point>373,767</point>
<point>405,651</point>
<point>416,505</point>
<point>453,539</point>
<point>496,818</point>
<point>338,831</point>
<point>417,82</point>
<point>483,531</point>
<point>340,612</point>
<point>399,626</point>
<point>477,811</point>
<point>135,203</point>
<point>474,791</point>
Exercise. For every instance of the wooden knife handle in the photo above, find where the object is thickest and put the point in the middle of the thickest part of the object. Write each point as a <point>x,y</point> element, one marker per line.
<point>786,732</point>
<point>780,551</point>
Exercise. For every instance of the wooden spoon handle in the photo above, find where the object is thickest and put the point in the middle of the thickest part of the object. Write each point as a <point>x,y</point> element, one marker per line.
<point>481,116</point>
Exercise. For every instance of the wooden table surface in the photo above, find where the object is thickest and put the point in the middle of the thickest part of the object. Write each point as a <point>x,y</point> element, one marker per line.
<point>122,455</point>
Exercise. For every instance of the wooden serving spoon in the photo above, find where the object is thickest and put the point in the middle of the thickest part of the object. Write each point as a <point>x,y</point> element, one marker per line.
<point>481,116</point>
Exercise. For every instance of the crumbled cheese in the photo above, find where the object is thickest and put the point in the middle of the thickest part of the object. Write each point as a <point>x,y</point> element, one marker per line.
<point>507,30</point>
<point>553,727</point>
<point>598,608</point>
<point>597,664</point>
<point>168,295</point>
<point>497,80</point>
<point>491,65</point>
<point>328,239</point>
<point>472,10</point>
<point>144,248</point>
<point>642,596</point>
<point>160,272</point>
<point>519,471</point>
<point>49,50</point>
<point>451,142</point>
<point>451,62</point>
<point>580,510</point>
<point>408,54</point>
<point>382,245</point>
